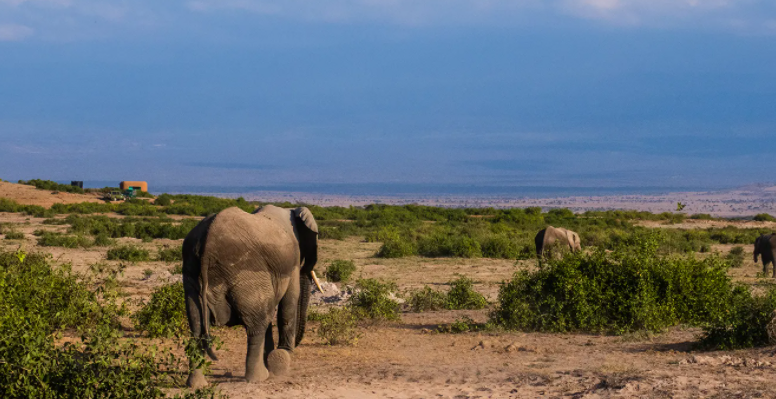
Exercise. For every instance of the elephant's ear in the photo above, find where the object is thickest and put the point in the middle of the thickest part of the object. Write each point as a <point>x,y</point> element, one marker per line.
<point>307,218</point>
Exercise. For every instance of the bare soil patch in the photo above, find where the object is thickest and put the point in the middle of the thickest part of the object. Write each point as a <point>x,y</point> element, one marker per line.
<point>29,195</point>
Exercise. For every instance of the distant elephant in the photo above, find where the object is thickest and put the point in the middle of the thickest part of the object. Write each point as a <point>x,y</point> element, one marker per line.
<point>765,245</point>
<point>237,268</point>
<point>551,235</point>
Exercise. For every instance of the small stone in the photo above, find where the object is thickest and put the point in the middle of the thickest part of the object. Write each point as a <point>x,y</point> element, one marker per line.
<point>513,347</point>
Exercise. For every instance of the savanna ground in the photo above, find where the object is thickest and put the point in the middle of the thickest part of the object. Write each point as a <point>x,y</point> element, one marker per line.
<point>410,359</point>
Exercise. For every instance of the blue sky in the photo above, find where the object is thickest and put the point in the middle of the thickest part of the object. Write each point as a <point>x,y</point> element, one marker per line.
<point>575,93</point>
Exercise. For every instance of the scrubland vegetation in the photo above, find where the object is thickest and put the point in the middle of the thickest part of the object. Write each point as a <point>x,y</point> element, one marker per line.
<point>39,306</point>
<point>61,334</point>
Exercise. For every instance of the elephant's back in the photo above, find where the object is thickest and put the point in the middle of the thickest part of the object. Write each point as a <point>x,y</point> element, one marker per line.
<point>242,240</point>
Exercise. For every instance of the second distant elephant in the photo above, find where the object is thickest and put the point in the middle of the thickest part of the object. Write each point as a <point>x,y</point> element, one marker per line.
<point>551,236</point>
<point>765,245</point>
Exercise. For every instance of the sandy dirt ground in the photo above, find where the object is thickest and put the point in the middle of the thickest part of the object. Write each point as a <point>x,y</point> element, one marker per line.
<point>409,359</point>
<point>29,195</point>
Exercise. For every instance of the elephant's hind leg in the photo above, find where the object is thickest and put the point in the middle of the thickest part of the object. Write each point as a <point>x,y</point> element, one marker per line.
<point>269,343</point>
<point>279,360</point>
<point>255,371</point>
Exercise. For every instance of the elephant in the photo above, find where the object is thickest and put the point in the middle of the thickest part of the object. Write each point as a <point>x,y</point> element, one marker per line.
<point>765,245</point>
<point>238,267</point>
<point>550,236</point>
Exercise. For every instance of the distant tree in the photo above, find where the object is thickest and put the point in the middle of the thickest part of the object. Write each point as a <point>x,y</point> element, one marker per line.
<point>680,206</point>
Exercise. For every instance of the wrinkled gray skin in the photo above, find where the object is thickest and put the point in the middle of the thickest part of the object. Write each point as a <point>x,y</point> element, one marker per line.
<point>765,245</point>
<point>556,235</point>
<point>246,265</point>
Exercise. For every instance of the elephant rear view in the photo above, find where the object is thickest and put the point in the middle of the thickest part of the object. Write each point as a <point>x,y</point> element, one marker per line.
<point>765,245</point>
<point>238,268</point>
<point>551,236</point>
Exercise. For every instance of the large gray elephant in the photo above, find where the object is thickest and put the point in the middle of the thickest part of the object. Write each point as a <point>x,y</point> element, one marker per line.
<point>237,269</point>
<point>765,245</point>
<point>550,236</point>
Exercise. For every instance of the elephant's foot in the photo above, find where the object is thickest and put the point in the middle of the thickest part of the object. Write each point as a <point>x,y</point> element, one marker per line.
<point>279,362</point>
<point>256,374</point>
<point>196,379</point>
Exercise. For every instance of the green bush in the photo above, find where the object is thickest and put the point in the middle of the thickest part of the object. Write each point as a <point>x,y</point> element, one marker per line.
<point>396,247</point>
<point>372,299</point>
<point>165,313</point>
<point>463,296</point>
<point>131,253</point>
<point>427,299</point>
<point>331,233</point>
<point>338,326</point>
<point>501,246</point>
<point>630,289</point>
<point>51,185</point>
<point>51,239</point>
<point>764,217</point>
<point>340,270</point>
<point>744,325</point>
<point>103,240</point>
<point>7,205</point>
<point>39,303</point>
<point>736,256</point>
<point>143,228</point>
<point>171,254</point>
<point>55,221</point>
<point>460,325</point>
<point>14,235</point>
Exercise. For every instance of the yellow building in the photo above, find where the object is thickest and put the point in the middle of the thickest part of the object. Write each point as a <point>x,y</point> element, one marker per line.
<point>136,185</point>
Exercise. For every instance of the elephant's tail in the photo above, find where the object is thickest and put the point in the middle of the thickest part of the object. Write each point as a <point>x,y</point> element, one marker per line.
<point>205,309</point>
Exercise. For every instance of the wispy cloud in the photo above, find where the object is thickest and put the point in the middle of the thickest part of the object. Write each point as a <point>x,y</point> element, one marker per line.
<point>230,165</point>
<point>14,32</point>
<point>77,19</point>
<point>724,13</point>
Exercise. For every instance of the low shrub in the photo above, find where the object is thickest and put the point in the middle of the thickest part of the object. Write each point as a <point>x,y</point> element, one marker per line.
<point>338,326</point>
<point>14,235</point>
<point>36,304</point>
<point>103,240</point>
<point>396,247</point>
<point>764,217</point>
<point>373,299</point>
<point>131,253</point>
<point>51,239</point>
<point>630,289</point>
<point>443,244</point>
<point>170,254</point>
<point>340,270</point>
<point>427,299</point>
<point>54,221</point>
<point>744,325</point>
<point>460,325</point>
<point>463,296</point>
<point>331,233</point>
<point>105,268</point>
<point>52,186</point>
<point>502,247</point>
<point>736,256</point>
<point>143,228</point>
<point>165,313</point>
